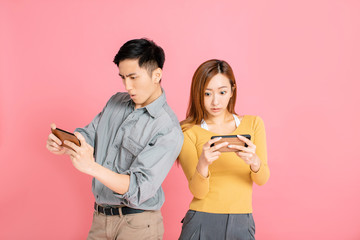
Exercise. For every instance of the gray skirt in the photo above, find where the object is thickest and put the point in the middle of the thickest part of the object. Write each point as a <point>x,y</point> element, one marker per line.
<point>213,226</point>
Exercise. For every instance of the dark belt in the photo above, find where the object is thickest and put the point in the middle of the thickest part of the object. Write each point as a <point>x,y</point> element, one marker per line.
<point>115,211</point>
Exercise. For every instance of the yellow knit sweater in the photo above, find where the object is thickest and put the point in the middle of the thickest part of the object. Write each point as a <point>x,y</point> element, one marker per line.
<point>228,188</point>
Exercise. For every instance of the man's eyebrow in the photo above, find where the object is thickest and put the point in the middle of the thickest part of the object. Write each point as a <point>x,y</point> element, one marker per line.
<point>129,75</point>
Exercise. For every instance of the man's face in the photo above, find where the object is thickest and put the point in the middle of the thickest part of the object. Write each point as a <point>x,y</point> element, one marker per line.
<point>142,87</point>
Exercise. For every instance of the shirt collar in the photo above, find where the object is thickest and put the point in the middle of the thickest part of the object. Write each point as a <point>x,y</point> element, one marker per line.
<point>154,107</point>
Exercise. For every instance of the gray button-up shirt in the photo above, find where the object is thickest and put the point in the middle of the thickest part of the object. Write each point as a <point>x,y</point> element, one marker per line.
<point>143,143</point>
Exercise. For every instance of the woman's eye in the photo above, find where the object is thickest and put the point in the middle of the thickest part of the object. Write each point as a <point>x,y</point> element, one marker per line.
<point>132,78</point>
<point>223,92</point>
<point>207,94</point>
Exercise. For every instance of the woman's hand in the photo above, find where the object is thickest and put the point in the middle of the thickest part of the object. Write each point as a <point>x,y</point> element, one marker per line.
<point>209,155</point>
<point>247,153</point>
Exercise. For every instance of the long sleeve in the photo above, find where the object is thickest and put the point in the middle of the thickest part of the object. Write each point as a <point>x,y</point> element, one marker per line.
<point>89,131</point>
<point>151,166</point>
<point>262,176</point>
<point>198,185</point>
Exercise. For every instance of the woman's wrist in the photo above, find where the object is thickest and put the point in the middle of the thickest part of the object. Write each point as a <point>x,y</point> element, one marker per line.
<point>203,169</point>
<point>255,166</point>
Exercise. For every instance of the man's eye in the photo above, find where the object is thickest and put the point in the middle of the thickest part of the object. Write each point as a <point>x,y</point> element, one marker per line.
<point>207,94</point>
<point>133,77</point>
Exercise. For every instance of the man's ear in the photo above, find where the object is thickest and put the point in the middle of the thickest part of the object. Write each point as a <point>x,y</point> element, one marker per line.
<point>157,75</point>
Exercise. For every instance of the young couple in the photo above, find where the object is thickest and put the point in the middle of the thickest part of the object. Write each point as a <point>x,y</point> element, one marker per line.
<point>130,146</point>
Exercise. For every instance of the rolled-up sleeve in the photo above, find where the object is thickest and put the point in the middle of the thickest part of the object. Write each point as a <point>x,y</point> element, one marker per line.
<point>89,131</point>
<point>150,167</point>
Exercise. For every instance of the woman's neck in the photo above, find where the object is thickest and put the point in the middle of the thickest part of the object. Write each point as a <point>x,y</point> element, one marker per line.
<point>219,120</point>
<point>222,125</point>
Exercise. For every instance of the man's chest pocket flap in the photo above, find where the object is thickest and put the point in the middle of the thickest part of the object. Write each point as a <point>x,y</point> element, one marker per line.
<point>133,147</point>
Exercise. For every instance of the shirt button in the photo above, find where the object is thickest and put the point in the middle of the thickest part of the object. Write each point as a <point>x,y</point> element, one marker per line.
<point>97,196</point>
<point>108,163</point>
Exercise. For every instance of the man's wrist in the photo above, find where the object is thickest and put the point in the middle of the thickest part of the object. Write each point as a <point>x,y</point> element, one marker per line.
<point>93,169</point>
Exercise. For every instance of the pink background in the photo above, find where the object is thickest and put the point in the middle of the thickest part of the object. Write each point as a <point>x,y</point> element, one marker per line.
<point>297,66</point>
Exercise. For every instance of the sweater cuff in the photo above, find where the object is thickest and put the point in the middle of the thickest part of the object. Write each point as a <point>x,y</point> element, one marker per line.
<point>252,172</point>
<point>199,180</point>
<point>199,185</point>
<point>201,177</point>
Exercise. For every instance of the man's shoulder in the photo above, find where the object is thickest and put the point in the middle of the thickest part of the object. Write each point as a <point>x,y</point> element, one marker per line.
<point>118,97</point>
<point>168,112</point>
<point>166,120</point>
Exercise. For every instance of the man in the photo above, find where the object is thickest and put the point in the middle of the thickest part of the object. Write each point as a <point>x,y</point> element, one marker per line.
<point>129,148</point>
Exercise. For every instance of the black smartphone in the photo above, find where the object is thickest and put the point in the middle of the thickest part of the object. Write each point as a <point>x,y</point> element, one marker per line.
<point>232,140</point>
<point>64,135</point>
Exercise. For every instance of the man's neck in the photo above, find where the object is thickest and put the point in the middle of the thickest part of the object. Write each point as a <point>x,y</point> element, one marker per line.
<point>157,93</point>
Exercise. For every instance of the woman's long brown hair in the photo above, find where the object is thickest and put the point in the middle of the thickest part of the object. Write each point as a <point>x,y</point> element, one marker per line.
<point>196,109</point>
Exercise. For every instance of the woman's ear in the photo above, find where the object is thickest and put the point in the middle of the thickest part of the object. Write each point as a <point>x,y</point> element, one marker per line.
<point>157,75</point>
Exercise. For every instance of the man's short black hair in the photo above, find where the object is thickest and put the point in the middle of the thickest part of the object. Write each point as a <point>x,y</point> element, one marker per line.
<point>150,55</point>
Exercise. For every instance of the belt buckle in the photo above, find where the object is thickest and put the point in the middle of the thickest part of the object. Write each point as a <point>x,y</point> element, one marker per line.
<point>111,211</point>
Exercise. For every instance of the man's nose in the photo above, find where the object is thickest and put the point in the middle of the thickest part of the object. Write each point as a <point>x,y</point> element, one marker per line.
<point>127,84</point>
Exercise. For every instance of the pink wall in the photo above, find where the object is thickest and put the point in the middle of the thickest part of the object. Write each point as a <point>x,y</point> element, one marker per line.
<point>297,65</point>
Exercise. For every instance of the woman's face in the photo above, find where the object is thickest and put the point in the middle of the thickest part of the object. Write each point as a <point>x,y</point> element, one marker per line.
<point>217,95</point>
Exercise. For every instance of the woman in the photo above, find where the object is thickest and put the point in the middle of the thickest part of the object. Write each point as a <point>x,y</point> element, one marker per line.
<point>221,182</point>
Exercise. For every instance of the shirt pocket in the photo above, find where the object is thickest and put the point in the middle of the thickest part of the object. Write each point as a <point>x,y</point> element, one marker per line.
<point>132,150</point>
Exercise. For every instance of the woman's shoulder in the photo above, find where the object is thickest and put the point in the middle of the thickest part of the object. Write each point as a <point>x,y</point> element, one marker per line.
<point>194,132</point>
<point>251,118</point>
<point>189,129</point>
<point>252,121</point>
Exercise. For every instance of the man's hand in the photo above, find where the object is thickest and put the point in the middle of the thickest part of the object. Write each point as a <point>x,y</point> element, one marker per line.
<point>53,144</point>
<point>83,160</point>
<point>82,157</point>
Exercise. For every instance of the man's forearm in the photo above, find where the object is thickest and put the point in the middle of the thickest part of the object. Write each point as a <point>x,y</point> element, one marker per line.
<point>119,183</point>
